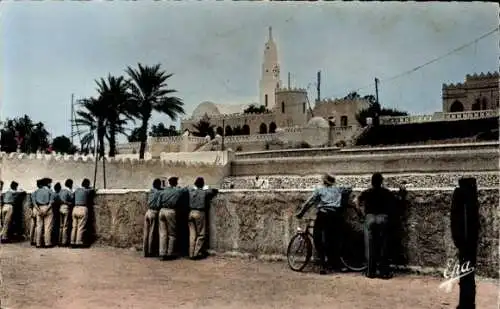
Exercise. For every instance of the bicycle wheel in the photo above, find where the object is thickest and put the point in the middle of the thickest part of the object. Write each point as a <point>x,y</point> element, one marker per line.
<point>352,256</point>
<point>299,252</point>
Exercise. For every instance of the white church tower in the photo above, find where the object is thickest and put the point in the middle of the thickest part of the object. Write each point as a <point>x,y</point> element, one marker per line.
<point>270,80</point>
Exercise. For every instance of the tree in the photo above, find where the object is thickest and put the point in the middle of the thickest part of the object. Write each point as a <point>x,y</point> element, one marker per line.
<point>352,96</point>
<point>149,92</point>
<point>254,109</point>
<point>134,135</point>
<point>160,130</point>
<point>117,99</point>
<point>375,109</point>
<point>92,117</point>
<point>32,137</point>
<point>62,144</point>
<point>204,128</point>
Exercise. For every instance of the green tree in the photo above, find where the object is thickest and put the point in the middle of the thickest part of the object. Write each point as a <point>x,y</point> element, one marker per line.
<point>32,137</point>
<point>134,135</point>
<point>91,118</point>
<point>160,130</point>
<point>62,144</point>
<point>375,110</point>
<point>254,109</point>
<point>204,128</point>
<point>117,100</point>
<point>149,92</point>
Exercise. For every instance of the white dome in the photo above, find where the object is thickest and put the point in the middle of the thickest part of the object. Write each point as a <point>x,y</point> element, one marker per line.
<point>318,122</point>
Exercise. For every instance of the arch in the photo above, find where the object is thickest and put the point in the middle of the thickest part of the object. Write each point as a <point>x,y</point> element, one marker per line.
<point>265,100</point>
<point>484,104</point>
<point>476,105</point>
<point>246,130</point>
<point>229,131</point>
<point>303,107</point>
<point>263,128</point>
<point>220,131</point>
<point>456,107</point>
<point>283,107</point>
<point>343,121</point>
<point>272,127</point>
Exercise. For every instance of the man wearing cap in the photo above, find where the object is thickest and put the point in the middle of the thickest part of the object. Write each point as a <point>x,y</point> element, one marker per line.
<point>66,199</point>
<point>170,198</point>
<point>44,214</point>
<point>83,197</point>
<point>200,197</point>
<point>328,223</point>
<point>9,199</point>
<point>151,217</point>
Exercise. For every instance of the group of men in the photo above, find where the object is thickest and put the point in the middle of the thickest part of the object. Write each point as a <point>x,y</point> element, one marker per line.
<point>163,205</point>
<point>376,203</point>
<point>62,205</point>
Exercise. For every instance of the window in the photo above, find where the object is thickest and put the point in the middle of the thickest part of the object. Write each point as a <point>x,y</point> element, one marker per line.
<point>343,121</point>
<point>283,107</point>
<point>304,107</point>
<point>265,100</point>
<point>485,104</point>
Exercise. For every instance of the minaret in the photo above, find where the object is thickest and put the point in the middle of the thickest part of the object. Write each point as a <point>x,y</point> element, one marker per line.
<point>270,80</point>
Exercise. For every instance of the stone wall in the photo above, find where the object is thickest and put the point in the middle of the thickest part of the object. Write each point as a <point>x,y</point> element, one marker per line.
<point>120,173</point>
<point>365,163</point>
<point>262,222</point>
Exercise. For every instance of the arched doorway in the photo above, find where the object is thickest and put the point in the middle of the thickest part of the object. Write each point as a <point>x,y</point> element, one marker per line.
<point>220,131</point>
<point>343,121</point>
<point>484,106</point>
<point>272,127</point>
<point>246,130</point>
<point>456,107</point>
<point>229,131</point>
<point>263,128</point>
<point>476,105</point>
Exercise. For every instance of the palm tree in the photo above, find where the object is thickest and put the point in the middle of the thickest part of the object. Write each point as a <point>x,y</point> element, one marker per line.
<point>115,96</point>
<point>92,117</point>
<point>204,127</point>
<point>149,92</point>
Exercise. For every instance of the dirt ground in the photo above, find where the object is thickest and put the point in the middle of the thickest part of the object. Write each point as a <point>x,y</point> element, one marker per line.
<point>108,278</point>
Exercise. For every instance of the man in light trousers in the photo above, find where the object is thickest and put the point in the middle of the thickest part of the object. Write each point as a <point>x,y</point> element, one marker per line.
<point>44,214</point>
<point>80,213</point>
<point>67,199</point>
<point>170,198</point>
<point>151,218</point>
<point>9,200</point>
<point>199,202</point>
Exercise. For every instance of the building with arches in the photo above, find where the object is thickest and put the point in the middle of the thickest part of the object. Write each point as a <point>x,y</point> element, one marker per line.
<point>478,92</point>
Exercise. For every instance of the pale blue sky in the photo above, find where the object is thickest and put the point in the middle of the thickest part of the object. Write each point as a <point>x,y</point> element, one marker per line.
<point>51,49</point>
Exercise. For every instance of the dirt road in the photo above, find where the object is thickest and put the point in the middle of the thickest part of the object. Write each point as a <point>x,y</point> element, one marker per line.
<point>108,278</point>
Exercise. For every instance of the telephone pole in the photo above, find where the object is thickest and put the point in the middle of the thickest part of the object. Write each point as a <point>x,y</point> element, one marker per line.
<point>377,107</point>
<point>72,118</point>
<point>223,134</point>
<point>318,87</point>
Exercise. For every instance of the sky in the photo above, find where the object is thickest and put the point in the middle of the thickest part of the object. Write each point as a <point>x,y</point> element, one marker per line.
<point>53,49</point>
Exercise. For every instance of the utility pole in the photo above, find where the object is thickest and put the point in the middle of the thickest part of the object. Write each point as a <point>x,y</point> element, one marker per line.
<point>223,133</point>
<point>288,80</point>
<point>376,89</point>
<point>377,109</point>
<point>72,118</point>
<point>318,87</point>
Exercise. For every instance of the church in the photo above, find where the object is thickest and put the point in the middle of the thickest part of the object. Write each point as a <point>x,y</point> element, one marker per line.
<point>281,107</point>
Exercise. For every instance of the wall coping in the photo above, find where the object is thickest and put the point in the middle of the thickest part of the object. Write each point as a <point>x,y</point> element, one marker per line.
<point>410,189</point>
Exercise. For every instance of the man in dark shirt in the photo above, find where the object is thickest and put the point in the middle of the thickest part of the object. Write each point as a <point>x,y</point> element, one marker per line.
<point>378,202</point>
<point>199,201</point>
<point>9,199</point>
<point>82,198</point>
<point>44,214</point>
<point>169,201</point>
<point>151,217</point>
<point>66,199</point>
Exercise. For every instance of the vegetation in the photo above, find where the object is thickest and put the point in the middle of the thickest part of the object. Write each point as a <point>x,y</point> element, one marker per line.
<point>254,109</point>
<point>204,128</point>
<point>374,110</point>
<point>30,136</point>
<point>62,144</point>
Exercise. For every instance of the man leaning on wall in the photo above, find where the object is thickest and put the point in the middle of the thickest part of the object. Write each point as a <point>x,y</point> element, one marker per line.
<point>44,214</point>
<point>10,203</point>
<point>151,218</point>
<point>170,199</point>
<point>83,197</point>
<point>200,197</point>
<point>34,212</point>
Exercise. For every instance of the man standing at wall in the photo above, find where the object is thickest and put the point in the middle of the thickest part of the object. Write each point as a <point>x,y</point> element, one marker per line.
<point>10,199</point>
<point>151,217</point>
<point>44,214</point>
<point>170,198</point>
<point>67,198</point>
<point>199,202</point>
<point>329,220</point>
<point>34,213</point>
<point>83,197</point>
<point>378,202</point>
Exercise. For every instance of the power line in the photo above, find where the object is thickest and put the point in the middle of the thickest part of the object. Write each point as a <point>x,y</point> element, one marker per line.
<point>431,61</point>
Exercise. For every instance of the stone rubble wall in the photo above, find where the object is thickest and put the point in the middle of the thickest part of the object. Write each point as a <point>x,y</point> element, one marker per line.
<point>441,180</point>
<point>120,173</point>
<point>262,222</point>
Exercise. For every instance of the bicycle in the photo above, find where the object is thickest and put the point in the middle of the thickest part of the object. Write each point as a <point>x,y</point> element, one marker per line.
<point>351,247</point>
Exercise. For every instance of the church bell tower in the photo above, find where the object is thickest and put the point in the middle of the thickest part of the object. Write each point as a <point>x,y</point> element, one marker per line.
<point>270,80</point>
